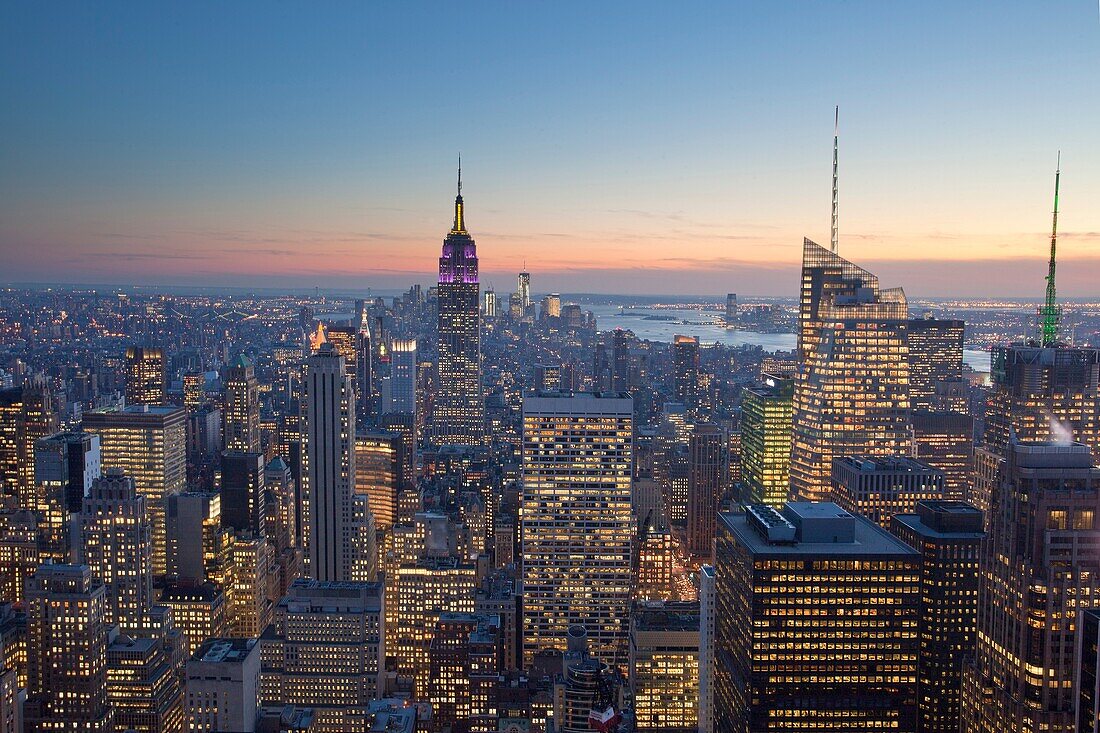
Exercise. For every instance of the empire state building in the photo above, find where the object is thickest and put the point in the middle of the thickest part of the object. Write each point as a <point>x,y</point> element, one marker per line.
<point>459,408</point>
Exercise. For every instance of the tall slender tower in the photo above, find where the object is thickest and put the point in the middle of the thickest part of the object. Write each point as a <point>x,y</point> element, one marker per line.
<point>834,240</point>
<point>1050,314</point>
<point>145,376</point>
<point>460,410</point>
<point>328,459</point>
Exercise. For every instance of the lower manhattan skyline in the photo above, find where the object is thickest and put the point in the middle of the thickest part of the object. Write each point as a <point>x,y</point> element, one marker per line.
<point>684,154</point>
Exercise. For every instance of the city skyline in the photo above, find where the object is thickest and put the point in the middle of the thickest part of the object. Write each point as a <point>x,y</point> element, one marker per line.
<point>685,154</point>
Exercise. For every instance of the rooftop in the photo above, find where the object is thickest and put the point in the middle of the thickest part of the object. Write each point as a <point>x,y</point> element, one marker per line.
<point>868,539</point>
<point>232,650</point>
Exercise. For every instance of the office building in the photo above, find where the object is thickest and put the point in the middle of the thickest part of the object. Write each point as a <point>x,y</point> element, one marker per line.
<point>664,666</point>
<point>145,376</point>
<point>116,545</point>
<point>463,661</point>
<point>328,464</point>
<point>685,357</point>
<point>144,686</point>
<point>242,491</point>
<point>223,682</point>
<point>548,377</point>
<point>66,652</point>
<point>197,543</point>
<point>1041,559</point>
<point>325,651</point>
<point>490,310</point>
<point>852,396</point>
<point>817,616</point>
<point>576,520</point>
<point>1088,672</point>
<point>400,396</point>
<point>242,407</point>
<point>656,559</point>
<point>149,445</point>
<point>379,473</point>
<point>1043,393</point>
<point>935,356</point>
<point>26,415</point>
<point>949,535</point>
<point>878,487</point>
<point>198,610</point>
<point>70,461</point>
<point>945,440</point>
<point>766,441</point>
<point>353,342</point>
<point>19,553</point>
<point>194,390</point>
<point>249,606</point>
<point>706,483</point>
<point>459,409</point>
<point>732,320</point>
<point>707,608</point>
<point>524,290</point>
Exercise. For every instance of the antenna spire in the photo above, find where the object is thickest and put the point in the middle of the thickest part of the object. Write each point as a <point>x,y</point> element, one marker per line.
<point>460,223</point>
<point>833,241</point>
<point>1050,314</point>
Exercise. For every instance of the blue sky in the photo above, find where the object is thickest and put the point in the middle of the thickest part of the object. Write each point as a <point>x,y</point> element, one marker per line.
<point>624,147</point>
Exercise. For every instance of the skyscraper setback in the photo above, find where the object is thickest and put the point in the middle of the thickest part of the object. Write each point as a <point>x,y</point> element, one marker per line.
<point>460,410</point>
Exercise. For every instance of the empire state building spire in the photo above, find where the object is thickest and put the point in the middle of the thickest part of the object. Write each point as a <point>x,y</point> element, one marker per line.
<point>460,223</point>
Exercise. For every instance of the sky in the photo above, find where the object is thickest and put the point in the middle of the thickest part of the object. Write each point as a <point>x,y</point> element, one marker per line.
<point>641,147</point>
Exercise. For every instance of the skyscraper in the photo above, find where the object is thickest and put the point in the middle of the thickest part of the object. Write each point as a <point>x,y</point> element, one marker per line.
<point>621,360</point>
<point>145,376</point>
<point>935,356</point>
<point>817,614</point>
<point>879,488</point>
<point>72,460</point>
<point>1040,560</point>
<point>1044,393</point>
<point>401,394</point>
<point>379,473</point>
<point>116,545</point>
<point>664,666</point>
<point>731,310</point>
<point>242,491</point>
<point>242,407</point>
<point>353,342</point>
<point>852,395</point>
<point>459,410</point>
<point>524,289</point>
<point>223,680</point>
<point>328,465</point>
<point>706,478</point>
<point>945,440</point>
<point>66,652</point>
<point>766,441</point>
<point>576,521</point>
<point>685,357</point>
<point>149,444</point>
<point>948,534</point>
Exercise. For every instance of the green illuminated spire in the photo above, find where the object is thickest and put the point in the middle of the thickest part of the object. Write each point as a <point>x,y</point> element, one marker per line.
<point>1050,314</point>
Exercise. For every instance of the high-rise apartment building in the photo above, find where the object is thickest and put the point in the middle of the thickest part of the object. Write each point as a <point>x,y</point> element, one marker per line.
<point>817,616</point>
<point>1043,393</point>
<point>1041,560</point>
<point>66,652</point>
<point>223,683</point>
<point>459,409</point>
<point>706,484</point>
<point>242,407</point>
<point>852,395</point>
<point>328,465</point>
<point>149,444</point>
<point>935,356</point>
<point>685,358</point>
<point>664,666</point>
<point>879,487</point>
<point>948,535</point>
<point>325,651</point>
<point>116,545</point>
<point>766,441</point>
<point>576,520</point>
<point>145,376</point>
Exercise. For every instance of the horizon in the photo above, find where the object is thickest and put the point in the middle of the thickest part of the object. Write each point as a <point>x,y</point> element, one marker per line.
<point>279,149</point>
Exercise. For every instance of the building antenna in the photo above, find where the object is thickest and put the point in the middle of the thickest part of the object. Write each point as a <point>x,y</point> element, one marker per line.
<point>836,130</point>
<point>1050,314</point>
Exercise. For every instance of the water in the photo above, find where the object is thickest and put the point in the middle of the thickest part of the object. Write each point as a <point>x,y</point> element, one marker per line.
<point>608,318</point>
<point>711,330</point>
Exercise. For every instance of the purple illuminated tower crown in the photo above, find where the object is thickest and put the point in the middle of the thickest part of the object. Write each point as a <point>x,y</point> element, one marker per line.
<point>458,263</point>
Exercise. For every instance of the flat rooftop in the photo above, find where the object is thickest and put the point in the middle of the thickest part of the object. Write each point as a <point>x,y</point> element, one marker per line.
<point>870,539</point>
